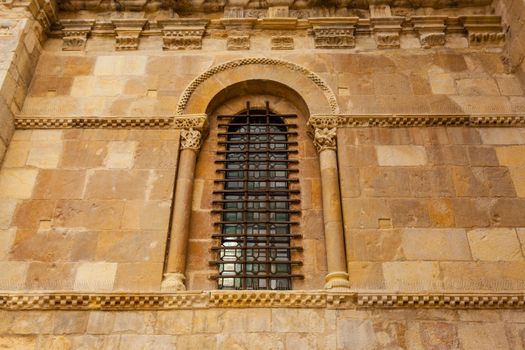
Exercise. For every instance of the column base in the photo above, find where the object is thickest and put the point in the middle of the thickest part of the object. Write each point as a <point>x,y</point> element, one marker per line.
<point>337,281</point>
<point>173,282</point>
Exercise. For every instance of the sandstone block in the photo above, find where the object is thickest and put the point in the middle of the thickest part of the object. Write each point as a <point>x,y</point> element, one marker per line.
<point>174,322</point>
<point>364,213</point>
<point>145,342</point>
<point>120,154</point>
<point>116,184</point>
<point>518,178</point>
<point>509,86</point>
<point>59,184</point>
<point>442,84</point>
<point>441,213</point>
<point>120,65</point>
<point>83,154</point>
<point>45,154</point>
<point>482,156</point>
<point>374,245</point>
<point>95,276</point>
<point>435,244</point>
<point>70,322</point>
<point>83,86</point>
<point>131,246</point>
<point>100,322</point>
<point>298,320</point>
<point>19,343</point>
<point>17,183</point>
<point>483,275</point>
<point>139,276</point>
<point>7,210</point>
<point>477,87</point>
<point>209,321</point>
<point>204,341</point>
<point>471,212</point>
<point>366,275</point>
<point>401,155</point>
<point>93,214</point>
<point>412,275</point>
<point>7,237</point>
<point>13,274</point>
<point>481,336</point>
<point>135,322</point>
<point>511,155</point>
<point>501,136</point>
<point>356,334</point>
<point>508,212</point>
<point>50,276</point>
<point>495,244</point>
<point>409,213</point>
<point>17,153</point>
<point>384,181</point>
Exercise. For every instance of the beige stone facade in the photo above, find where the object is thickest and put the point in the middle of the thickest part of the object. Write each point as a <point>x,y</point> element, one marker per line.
<point>409,150</point>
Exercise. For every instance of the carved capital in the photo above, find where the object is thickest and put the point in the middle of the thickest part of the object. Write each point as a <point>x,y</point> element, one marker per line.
<point>191,139</point>
<point>183,34</point>
<point>483,30</point>
<point>334,33</point>
<point>386,31</point>
<point>431,30</point>
<point>325,139</point>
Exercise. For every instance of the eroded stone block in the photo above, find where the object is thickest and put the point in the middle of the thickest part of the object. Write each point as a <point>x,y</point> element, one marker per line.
<point>495,244</point>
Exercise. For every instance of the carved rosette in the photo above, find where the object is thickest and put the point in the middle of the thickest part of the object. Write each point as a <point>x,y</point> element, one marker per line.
<point>75,34</point>
<point>325,139</point>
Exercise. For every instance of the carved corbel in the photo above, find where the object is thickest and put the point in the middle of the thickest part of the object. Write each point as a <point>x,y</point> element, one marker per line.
<point>323,129</point>
<point>75,33</point>
<point>128,33</point>
<point>483,30</point>
<point>334,32</point>
<point>183,34</point>
<point>191,139</point>
<point>431,30</point>
<point>193,130</point>
<point>386,31</point>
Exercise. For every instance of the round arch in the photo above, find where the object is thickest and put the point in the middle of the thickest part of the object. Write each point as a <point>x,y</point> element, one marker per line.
<point>318,96</point>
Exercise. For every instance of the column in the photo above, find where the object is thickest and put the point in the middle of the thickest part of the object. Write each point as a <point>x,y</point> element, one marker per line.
<point>325,140</point>
<point>174,278</point>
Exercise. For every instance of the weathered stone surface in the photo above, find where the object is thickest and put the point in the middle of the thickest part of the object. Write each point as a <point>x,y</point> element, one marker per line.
<point>511,155</point>
<point>412,275</point>
<point>120,154</point>
<point>497,244</point>
<point>17,183</point>
<point>401,155</point>
<point>501,136</point>
<point>95,276</point>
<point>518,178</point>
<point>482,336</point>
<point>435,244</point>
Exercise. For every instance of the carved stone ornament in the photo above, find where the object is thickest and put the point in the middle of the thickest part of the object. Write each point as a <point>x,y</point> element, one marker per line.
<point>183,34</point>
<point>431,30</point>
<point>325,139</point>
<point>334,32</point>
<point>128,33</point>
<point>191,139</point>
<point>173,282</point>
<point>75,33</point>
<point>484,30</point>
<point>282,43</point>
<point>238,42</point>
<point>329,299</point>
<point>386,31</point>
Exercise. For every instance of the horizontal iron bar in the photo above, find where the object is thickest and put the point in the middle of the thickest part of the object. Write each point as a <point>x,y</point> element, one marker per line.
<point>257,115</point>
<point>261,222</point>
<point>299,249</point>
<point>258,276</point>
<point>288,262</point>
<point>262,192</point>
<point>253,236</point>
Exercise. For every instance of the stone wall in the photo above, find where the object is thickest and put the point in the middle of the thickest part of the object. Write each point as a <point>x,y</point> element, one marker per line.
<point>86,209</point>
<point>513,11</point>
<point>20,49</point>
<point>264,329</point>
<point>434,208</point>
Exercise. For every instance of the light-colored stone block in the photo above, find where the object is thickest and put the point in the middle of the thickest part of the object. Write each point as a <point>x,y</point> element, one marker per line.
<point>442,84</point>
<point>495,244</point>
<point>356,335</point>
<point>120,154</point>
<point>7,210</point>
<point>108,86</point>
<point>17,342</point>
<point>518,178</point>
<point>411,275</point>
<point>7,237</point>
<point>509,86</point>
<point>120,65</point>
<point>477,87</point>
<point>511,155</point>
<point>17,153</point>
<point>95,276</point>
<point>435,244</point>
<point>13,274</point>
<point>501,136</point>
<point>46,135</point>
<point>83,86</point>
<point>480,336</point>
<point>45,154</point>
<point>401,155</point>
<point>17,183</point>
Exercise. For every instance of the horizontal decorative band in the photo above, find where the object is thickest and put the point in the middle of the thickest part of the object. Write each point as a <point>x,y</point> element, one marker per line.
<point>259,299</point>
<point>195,121</point>
<point>415,120</point>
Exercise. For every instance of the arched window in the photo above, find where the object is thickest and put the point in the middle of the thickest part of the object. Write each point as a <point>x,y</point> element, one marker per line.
<point>257,199</point>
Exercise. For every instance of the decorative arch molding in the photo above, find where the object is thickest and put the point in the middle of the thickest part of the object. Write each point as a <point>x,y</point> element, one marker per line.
<point>323,89</point>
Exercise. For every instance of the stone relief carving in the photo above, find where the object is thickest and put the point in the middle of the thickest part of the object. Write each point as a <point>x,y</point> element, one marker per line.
<point>387,40</point>
<point>128,32</point>
<point>191,139</point>
<point>183,34</point>
<point>325,139</point>
<point>75,34</point>
<point>334,37</point>
<point>238,42</point>
<point>282,43</point>
<point>483,30</point>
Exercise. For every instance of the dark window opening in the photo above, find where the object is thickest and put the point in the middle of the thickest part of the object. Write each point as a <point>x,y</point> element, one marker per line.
<point>258,197</point>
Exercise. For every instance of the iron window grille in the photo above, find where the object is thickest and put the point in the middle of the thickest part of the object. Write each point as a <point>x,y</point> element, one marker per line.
<point>257,201</point>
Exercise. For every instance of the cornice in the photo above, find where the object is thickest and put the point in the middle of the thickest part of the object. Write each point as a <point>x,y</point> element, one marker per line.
<point>328,32</point>
<point>260,299</point>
